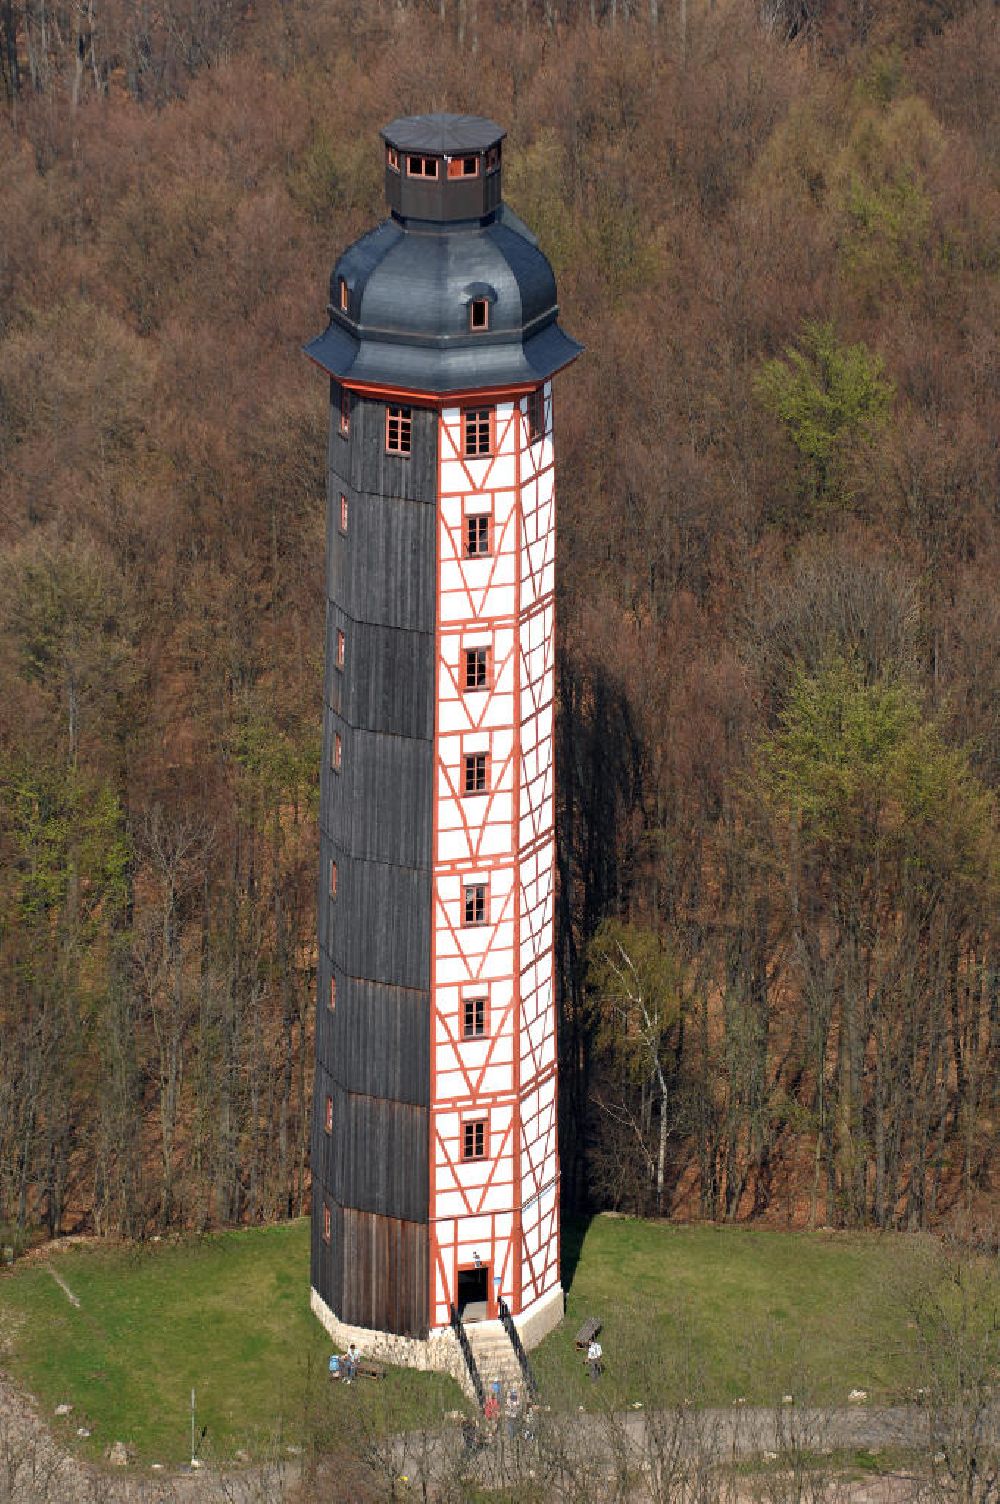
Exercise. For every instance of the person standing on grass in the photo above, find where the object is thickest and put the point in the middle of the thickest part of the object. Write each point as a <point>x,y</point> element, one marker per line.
<point>595,1353</point>
<point>352,1361</point>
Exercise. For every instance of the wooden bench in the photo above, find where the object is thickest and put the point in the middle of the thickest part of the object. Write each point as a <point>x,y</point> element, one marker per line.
<point>587,1332</point>
<point>369,1370</point>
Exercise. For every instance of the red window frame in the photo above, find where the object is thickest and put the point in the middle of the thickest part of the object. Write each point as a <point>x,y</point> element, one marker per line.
<point>463,167</point>
<point>475,1011</point>
<point>536,415</point>
<point>332,881</point>
<point>475,905</point>
<point>398,429</point>
<point>475,773</point>
<point>475,1138</point>
<point>341,649</point>
<point>477,669</point>
<point>392,158</point>
<point>418,165</point>
<point>343,512</point>
<point>345,411</point>
<point>478,540</point>
<point>478,429</point>
<point>328,1116</point>
<point>327,1223</point>
<point>331,1001</point>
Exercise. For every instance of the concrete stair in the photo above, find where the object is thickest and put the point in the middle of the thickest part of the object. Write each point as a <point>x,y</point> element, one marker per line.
<point>495,1358</point>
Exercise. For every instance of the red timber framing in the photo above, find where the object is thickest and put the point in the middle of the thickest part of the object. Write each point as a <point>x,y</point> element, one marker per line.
<point>501,1207</point>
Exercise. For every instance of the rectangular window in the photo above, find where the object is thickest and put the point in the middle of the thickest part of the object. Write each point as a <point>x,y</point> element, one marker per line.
<point>343,295</point>
<point>398,429</point>
<point>341,648</point>
<point>475,773</point>
<point>479,313</point>
<point>333,878</point>
<point>337,752</point>
<point>536,415</point>
<point>477,536</point>
<point>327,1224</point>
<point>477,668</point>
<point>473,1017</point>
<point>332,999</point>
<point>474,904</point>
<point>493,159</point>
<point>328,1116</point>
<point>474,1139</point>
<point>343,513</point>
<point>392,157</point>
<point>463,167</point>
<point>421,167</point>
<point>345,411</point>
<point>477,430</point>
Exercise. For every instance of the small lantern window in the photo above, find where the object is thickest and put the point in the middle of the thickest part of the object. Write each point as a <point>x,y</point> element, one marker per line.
<point>479,313</point>
<point>463,167</point>
<point>421,167</point>
<point>344,295</point>
<point>392,158</point>
<point>493,159</point>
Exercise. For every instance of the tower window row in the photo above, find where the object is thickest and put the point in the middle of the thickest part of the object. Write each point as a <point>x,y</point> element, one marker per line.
<point>419,165</point>
<point>478,423</point>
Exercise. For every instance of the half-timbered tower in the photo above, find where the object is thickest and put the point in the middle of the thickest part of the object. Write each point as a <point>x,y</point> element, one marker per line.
<point>435,1163</point>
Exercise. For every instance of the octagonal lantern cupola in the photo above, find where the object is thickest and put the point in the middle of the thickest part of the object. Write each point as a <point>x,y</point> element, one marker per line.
<point>434,1153</point>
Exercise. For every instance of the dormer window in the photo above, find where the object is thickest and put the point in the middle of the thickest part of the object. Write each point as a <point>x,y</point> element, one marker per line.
<point>343,295</point>
<point>392,158</point>
<point>479,313</point>
<point>463,167</point>
<point>421,167</point>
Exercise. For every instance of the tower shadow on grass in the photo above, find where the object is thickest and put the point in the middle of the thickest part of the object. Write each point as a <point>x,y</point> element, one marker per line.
<point>574,1230</point>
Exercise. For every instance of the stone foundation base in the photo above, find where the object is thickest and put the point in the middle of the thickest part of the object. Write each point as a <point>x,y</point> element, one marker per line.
<point>439,1352</point>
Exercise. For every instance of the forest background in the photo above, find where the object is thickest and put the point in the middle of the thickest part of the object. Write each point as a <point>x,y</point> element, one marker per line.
<point>776,229</point>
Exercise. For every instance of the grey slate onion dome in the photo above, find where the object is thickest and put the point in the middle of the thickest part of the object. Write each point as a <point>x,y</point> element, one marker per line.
<point>407,299</point>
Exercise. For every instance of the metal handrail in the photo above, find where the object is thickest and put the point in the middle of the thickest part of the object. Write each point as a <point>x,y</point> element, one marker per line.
<point>458,1328</point>
<point>530,1382</point>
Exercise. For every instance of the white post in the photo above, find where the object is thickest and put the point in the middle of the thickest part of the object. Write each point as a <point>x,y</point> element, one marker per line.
<point>192,1429</point>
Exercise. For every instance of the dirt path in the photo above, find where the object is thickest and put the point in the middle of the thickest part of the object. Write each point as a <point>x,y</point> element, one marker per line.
<point>36,1469</point>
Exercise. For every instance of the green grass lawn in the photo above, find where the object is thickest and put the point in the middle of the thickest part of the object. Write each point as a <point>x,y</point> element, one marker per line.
<point>226,1314</point>
<point>715,1313</point>
<point>704,1313</point>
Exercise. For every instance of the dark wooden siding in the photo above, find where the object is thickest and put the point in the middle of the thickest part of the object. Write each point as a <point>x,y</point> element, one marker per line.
<point>384,1264</point>
<point>372,1050</point>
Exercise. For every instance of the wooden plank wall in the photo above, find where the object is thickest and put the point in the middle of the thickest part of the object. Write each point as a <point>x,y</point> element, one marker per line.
<point>372,1050</point>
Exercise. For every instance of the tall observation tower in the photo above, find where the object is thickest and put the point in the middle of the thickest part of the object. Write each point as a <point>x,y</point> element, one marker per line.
<point>435,1163</point>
